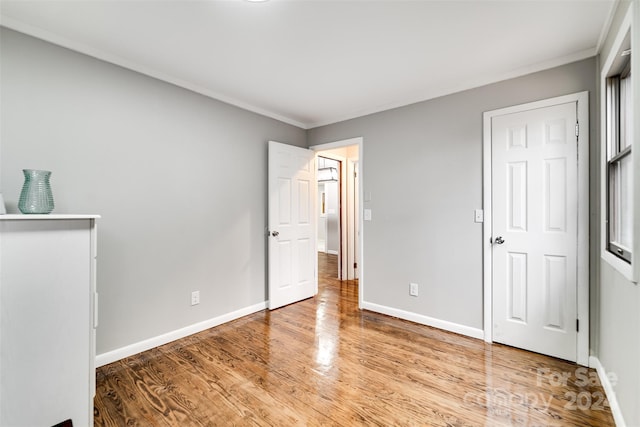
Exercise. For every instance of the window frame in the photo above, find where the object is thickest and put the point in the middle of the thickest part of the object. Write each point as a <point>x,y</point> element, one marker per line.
<point>625,38</point>
<point>617,152</point>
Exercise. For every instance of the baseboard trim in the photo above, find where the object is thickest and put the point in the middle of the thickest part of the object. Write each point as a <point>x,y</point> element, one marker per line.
<point>425,320</point>
<point>594,362</point>
<point>332,252</point>
<point>129,350</point>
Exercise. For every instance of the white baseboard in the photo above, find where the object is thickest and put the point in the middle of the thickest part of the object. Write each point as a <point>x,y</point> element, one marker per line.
<point>331,252</point>
<point>425,320</point>
<point>130,350</point>
<point>594,362</point>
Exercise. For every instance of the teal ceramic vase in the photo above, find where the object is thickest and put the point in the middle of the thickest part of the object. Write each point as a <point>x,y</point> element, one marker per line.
<point>36,196</point>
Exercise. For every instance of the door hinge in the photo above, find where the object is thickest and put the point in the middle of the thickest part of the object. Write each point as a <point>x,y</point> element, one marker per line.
<point>355,174</point>
<point>355,265</point>
<point>577,325</point>
<point>577,129</point>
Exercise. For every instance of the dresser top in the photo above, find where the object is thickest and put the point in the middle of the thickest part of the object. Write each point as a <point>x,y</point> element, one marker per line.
<point>13,217</point>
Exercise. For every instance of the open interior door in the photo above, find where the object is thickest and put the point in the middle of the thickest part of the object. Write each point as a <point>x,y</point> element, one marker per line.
<point>292,224</point>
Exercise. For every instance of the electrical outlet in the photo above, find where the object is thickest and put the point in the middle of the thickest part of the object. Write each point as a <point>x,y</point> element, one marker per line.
<point>413,289</point>
<point>195,297</point>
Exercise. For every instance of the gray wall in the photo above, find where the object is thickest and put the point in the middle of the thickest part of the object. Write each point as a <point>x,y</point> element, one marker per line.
<point>617,306</point>
<point>422,165</point>
<point>619,339</point>
<point>179,179</point>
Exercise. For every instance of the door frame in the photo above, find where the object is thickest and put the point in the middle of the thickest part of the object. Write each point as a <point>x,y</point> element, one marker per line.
<point>359,142</point>
<point>582,100</point>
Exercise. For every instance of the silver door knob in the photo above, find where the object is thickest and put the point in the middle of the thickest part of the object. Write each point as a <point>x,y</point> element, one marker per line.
<point>499,240</point>
<point>275,233</point>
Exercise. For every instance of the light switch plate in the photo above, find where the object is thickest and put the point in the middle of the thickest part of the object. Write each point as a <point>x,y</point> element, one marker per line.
<point>367,214</point>
<point>479,215</point>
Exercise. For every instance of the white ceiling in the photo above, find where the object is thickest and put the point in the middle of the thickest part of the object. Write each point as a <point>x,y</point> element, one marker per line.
<point>311,63</point>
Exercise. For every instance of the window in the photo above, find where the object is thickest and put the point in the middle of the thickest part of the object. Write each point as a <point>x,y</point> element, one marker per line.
<point>619,160</point>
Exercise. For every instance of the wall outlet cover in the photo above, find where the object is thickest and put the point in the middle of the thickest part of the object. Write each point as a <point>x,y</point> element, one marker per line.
<point>195,297</point>
<point>413,289</point>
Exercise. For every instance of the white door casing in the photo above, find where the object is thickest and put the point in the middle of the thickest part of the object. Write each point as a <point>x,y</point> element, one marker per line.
<point>292,224</point>
<point>536,282</point>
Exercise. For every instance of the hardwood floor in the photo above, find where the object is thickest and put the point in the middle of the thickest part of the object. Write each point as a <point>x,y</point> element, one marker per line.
<point>324,362</point>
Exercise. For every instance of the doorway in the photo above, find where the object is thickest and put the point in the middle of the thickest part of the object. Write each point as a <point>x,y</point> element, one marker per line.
<point>339,222</point>
<point>329,211</point>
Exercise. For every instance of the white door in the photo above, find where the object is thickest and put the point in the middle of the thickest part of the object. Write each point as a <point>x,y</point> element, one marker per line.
<point>535,222</point>
<point>292,224</point>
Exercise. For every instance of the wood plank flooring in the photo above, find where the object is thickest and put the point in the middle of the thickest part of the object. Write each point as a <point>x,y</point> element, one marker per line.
<point>324,362</point>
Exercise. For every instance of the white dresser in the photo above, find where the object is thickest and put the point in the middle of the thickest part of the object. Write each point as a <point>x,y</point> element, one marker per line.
<point>48,317</point>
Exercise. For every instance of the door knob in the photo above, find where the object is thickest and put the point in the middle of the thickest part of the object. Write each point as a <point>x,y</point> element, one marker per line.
<point>275,233</point>
<point>499,240</point>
